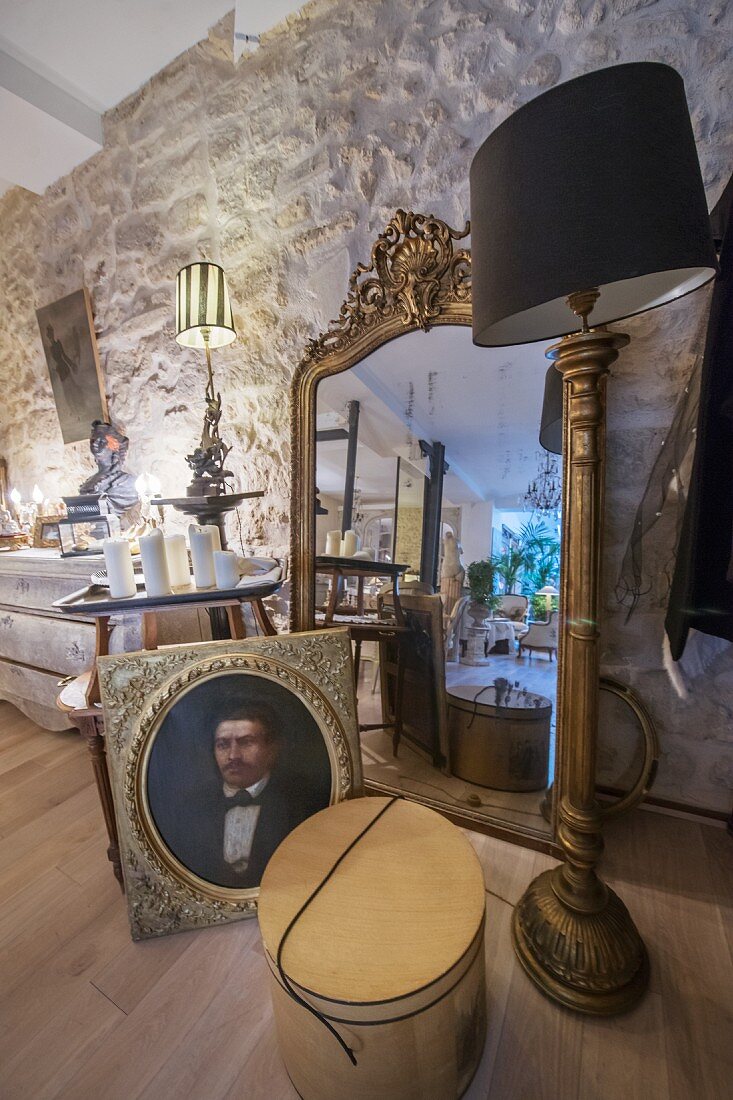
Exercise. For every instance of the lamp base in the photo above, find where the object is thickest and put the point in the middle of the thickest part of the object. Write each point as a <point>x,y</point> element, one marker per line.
<point>590,962</point>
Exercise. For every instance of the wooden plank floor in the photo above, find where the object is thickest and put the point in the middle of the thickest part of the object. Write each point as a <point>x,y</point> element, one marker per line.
<point>86,1014</point>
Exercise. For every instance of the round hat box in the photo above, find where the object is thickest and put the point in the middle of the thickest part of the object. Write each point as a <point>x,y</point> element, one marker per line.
<point>503,745</point>
<point>390,953</point>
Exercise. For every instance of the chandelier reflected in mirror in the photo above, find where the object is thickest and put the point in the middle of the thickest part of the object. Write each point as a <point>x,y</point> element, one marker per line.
<point>357,509</point>
<point>544,492</point>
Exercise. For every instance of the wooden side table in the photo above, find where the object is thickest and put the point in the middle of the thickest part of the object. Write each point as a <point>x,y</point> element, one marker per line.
<point>90,724</point>
<point>338,569</point>
<point>88,718</point>
<point>366,628</point>
<point>95,602</point>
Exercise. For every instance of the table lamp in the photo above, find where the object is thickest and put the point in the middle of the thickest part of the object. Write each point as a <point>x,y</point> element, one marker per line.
<point>589,199</point>
<point>204,320</point>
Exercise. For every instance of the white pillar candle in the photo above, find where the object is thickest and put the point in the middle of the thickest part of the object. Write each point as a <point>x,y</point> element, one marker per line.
<point>118,563</point>
<point>215,535</point>
<point>226,569</point>
<point>177,555</point>
<point>333,544</point>
<point>202,556</point>
<point>350,544</point>
<point>155,564</point>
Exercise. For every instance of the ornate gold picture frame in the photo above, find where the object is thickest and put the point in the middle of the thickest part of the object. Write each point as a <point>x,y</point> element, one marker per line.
<point>168,715</point>
<point>46,533</point>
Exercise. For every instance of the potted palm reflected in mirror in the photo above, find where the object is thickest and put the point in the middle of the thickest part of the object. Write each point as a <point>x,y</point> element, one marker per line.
<point>508,567</point>
<point>481,577</point>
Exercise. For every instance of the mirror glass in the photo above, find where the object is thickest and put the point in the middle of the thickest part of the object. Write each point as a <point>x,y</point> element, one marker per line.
<point>427,459</point>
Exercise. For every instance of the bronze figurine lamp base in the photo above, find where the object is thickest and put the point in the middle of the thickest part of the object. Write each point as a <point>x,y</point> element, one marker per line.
<point>590,196</point>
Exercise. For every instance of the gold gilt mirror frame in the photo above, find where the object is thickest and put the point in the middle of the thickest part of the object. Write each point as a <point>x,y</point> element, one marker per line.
<point>418,277</point>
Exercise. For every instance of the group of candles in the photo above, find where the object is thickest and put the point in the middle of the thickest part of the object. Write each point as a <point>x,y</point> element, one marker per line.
<point>165,563</point>
<point>342,546</point>
<point>347,545</point>
<point>26,512</point>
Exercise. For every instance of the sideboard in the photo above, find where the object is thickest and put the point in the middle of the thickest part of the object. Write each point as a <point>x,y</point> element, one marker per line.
<point>40,646</point>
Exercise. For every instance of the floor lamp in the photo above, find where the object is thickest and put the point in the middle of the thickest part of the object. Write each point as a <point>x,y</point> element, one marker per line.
<point>587,200</point>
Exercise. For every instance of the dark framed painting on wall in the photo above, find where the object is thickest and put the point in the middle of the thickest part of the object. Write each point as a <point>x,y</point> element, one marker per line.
<point>70,347</point>
<point>217,751</point>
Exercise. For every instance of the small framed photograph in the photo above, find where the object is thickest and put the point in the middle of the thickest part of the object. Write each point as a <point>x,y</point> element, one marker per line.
<point>46,535</point>
<point>217,751</point>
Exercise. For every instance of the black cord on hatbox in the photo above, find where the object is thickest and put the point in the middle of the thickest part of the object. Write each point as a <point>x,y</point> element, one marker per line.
<point>475,703</point>
<point>286,983</point>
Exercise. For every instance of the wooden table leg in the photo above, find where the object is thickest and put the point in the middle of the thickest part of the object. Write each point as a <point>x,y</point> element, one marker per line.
<point>101,649</point>
<point>263,619</point>
<point>357,661</point>
<point>219,624</point>
<point>397,732</point>
<point>89,727</point>
<point>398,612</point>
<point>150,630</point>
<point>237,628</point>
<point>333,598</point>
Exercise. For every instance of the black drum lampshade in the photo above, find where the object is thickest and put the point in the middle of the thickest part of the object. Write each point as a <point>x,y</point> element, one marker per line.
<point>594,184</point>
<point>551,422</point>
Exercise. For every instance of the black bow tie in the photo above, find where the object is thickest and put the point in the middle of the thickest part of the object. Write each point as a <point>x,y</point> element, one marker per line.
<point>241,798</point>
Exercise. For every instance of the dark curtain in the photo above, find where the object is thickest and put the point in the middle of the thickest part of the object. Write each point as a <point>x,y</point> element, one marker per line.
<point>701,596</point>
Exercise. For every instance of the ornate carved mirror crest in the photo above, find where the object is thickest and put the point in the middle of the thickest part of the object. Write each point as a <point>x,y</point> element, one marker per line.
<point>416,279</point>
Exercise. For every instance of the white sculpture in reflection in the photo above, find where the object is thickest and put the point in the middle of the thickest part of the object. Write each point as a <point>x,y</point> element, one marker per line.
<point>452,572</point>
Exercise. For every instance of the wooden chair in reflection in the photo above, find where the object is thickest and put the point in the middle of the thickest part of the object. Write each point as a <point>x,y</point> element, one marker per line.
<point>370,651</point>
<point>387,624</point>
<point>420,663</point>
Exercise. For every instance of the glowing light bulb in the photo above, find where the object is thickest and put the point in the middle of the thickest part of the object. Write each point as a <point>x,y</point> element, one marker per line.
<point>15,497</point>
<point>37,495</point>
<point>141,484</point>
<point>154,485</point>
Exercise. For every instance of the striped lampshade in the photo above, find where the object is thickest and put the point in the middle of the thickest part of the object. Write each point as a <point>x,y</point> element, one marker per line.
<point>202,305</point>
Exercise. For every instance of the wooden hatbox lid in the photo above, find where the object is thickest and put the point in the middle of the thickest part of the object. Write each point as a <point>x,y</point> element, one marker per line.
<point>400,911</point>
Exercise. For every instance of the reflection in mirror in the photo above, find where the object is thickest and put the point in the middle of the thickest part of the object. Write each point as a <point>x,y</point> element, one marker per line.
<point>409,516</point>
<point>429,469</point>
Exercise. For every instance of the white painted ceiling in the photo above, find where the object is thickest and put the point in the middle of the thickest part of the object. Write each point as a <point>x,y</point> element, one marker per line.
<point>64,62</point>
<point>483,404</point>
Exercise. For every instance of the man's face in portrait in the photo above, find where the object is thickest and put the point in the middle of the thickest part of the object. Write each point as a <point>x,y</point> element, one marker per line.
<point>244,752</point>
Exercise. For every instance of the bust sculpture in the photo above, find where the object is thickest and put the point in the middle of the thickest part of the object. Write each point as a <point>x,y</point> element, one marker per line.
<point>109,450</point>
<point>8,526</point>
<point>452,572</point>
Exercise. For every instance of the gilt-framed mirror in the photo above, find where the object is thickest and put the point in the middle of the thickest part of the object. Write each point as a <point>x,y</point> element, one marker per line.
<point>419,452</point>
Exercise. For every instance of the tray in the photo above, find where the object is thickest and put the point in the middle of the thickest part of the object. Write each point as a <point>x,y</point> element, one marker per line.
<point>96,600</point>
<point>360,565</point>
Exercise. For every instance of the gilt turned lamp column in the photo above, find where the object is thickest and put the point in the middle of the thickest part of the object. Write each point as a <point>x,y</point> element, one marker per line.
<point>587,200</point>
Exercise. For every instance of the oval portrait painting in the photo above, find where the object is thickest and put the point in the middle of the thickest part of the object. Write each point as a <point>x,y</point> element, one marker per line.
<point>236,764</point>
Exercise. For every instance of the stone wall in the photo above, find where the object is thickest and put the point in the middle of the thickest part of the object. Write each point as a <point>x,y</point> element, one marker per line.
<point>284,168</point>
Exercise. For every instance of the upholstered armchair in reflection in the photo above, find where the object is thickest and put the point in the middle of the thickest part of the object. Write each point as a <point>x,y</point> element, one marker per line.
<point>514,607</point>
<point>541,636</point>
